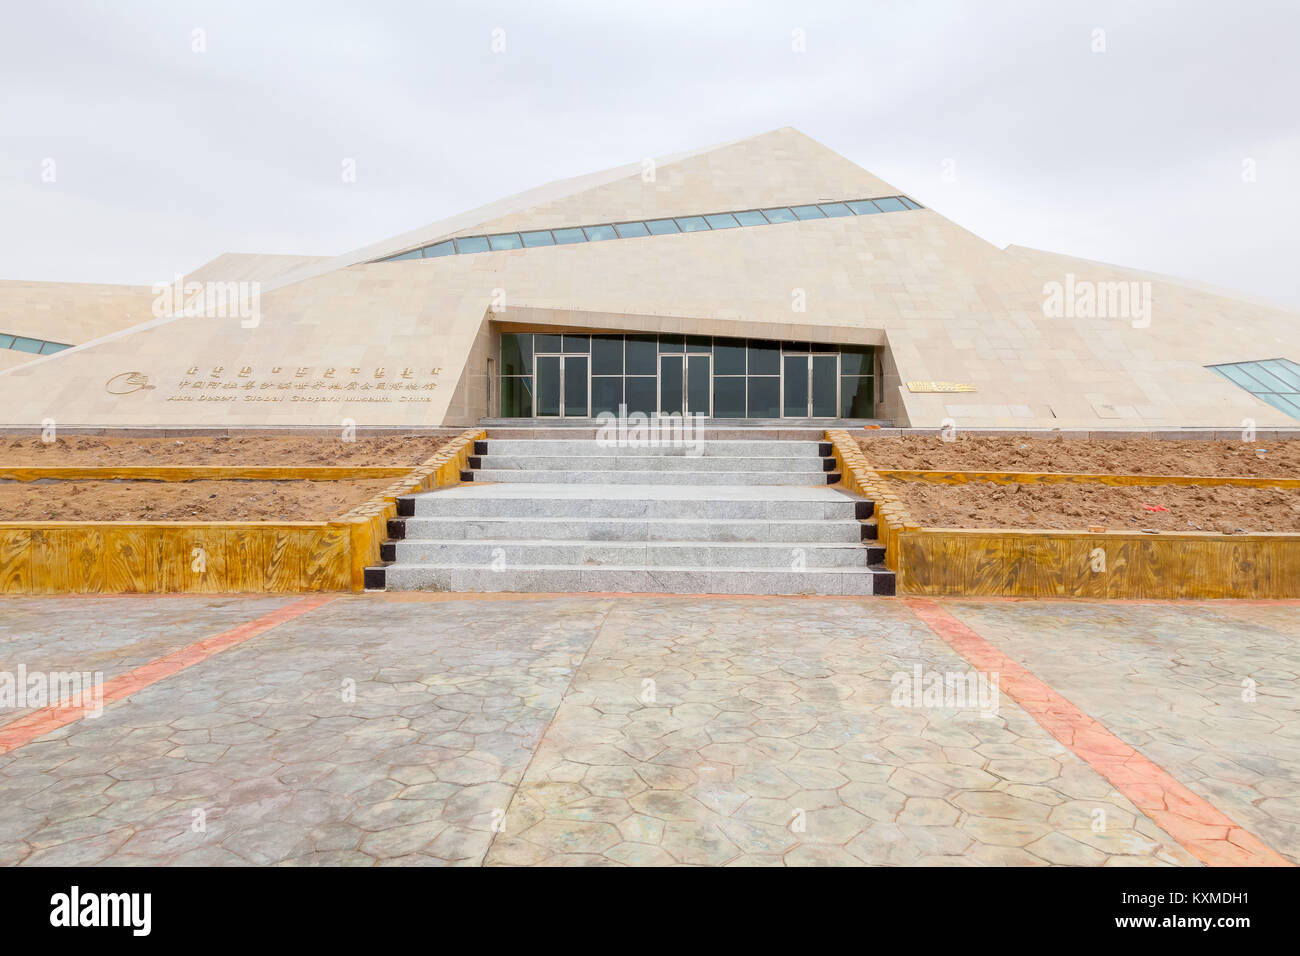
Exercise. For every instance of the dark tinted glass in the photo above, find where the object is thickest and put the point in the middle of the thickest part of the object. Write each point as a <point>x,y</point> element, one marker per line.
<point>729,357</point>
<point>765,397</point>
<point>606,393</point>
<point>516,354</point>
<point>856,360</point>
<point>642,355</point>
<point>576,381</point>
<point>640,394</point>
<point>764,357</point>
<point>545,343</point>
<point>516,397</point>
<point>729,397</point>
<point>856,397</point>
<point>606,355</point>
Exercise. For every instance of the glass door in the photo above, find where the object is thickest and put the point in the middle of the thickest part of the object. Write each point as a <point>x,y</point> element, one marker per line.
<point>809,386</point>
<point>562,386</point>
<point>685,384</point>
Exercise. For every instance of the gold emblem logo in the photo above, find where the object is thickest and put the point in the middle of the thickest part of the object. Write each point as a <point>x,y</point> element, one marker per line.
<point>125,383</point>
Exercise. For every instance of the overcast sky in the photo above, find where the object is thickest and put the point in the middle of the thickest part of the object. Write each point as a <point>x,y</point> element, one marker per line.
<point>1000,115</point>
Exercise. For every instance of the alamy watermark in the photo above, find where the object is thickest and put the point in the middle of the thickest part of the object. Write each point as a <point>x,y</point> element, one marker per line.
<point>639,430</point>
<point>213,300</point>
<point>950,690</point>
<point>73,689</point>
<point>1085,299</point>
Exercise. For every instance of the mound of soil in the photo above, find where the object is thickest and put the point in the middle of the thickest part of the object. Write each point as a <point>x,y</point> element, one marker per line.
<point>242,450</point>
<point>1076,507</point>
<point>1127,456</point>
<point>184,500</point>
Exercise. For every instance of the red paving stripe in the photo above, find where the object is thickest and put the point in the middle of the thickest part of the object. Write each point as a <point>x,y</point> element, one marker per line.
<point>1205,831</point>
<point>40,722</point>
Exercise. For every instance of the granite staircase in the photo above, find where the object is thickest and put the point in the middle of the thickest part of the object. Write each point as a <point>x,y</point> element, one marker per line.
<point>566,512</point>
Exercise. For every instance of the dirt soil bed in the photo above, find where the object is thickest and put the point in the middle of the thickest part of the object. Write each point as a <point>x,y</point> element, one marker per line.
<point>1074,507</point>
<point>254,450</point>
<point>1128,456</point>
<point>184,501</point>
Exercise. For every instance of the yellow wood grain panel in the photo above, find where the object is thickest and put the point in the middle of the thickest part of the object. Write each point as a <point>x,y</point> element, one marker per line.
<point>1052,477</point>
<point>130,560</point>
<point>15,560</point>
<point>1059,564</point>
<point>204,472</point>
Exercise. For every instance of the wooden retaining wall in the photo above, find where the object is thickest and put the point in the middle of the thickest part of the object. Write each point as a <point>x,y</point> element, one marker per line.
<point>1046,563</point>
<point>107,557</point>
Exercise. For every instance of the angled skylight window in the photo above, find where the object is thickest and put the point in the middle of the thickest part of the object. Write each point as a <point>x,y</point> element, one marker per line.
<point>661,227</point>
<point>1275,381</point>
<point>808,212</point>
<point>654,227</point>
<point>692,224</point>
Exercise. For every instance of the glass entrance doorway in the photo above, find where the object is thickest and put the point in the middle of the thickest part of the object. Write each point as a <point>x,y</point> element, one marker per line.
<point>810,386</point>
<point>685,384</point>
<point>563,386</point>
<point>582,374</point>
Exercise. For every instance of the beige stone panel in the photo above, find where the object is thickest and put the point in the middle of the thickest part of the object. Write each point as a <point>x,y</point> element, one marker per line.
<point>71,312</point>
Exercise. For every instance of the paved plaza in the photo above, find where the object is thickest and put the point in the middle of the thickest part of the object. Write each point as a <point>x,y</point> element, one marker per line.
<point>652,730</point>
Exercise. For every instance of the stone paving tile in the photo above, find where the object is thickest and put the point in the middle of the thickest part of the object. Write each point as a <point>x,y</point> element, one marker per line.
<point>759,732</point>
<point>112,635</point>
<point>524,732</point>
<point>450,701</point>
<point>1169,679</point>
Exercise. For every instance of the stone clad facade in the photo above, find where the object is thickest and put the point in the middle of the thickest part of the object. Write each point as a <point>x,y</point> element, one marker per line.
<point>962,330</point>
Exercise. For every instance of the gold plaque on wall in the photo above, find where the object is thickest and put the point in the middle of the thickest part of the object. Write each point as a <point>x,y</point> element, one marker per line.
<point>939,387</point>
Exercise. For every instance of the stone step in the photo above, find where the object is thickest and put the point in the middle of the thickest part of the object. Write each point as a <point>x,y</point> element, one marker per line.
<point>677,477</point>
<point>708,432</point>
<point>700,580</point>
<point>634,501</point>
<point>475,528</point>
<point>588,448</point>
<point>807,465</point>
<point>654,554</point>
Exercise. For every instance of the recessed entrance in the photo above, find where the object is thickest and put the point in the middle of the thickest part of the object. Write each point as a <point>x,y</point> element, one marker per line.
<point>582,374</point>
